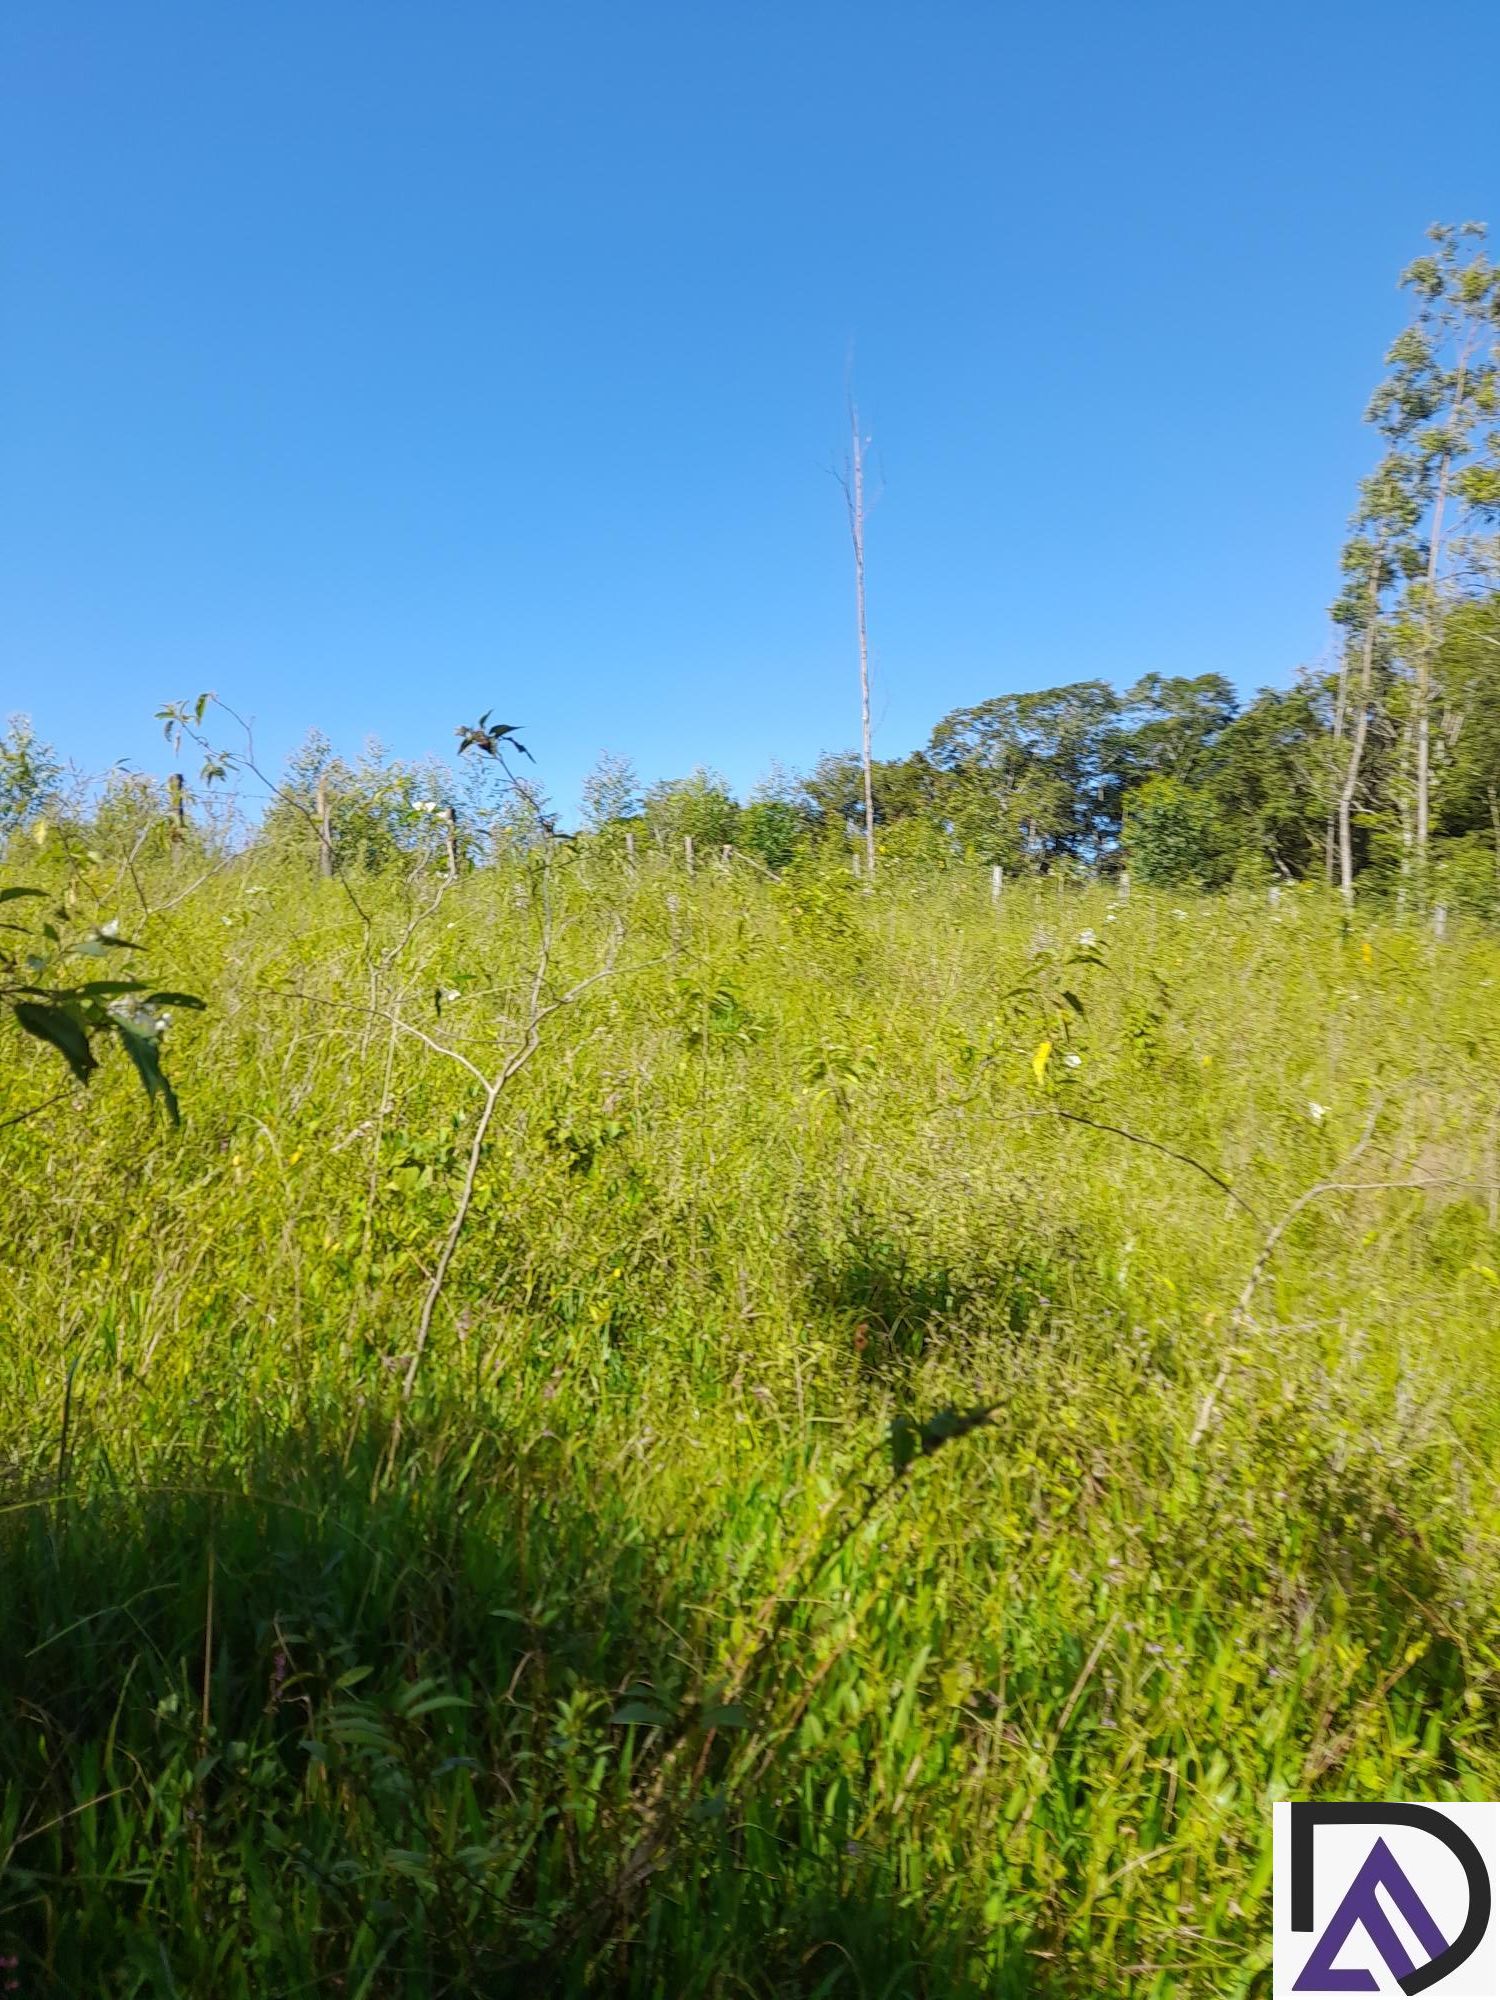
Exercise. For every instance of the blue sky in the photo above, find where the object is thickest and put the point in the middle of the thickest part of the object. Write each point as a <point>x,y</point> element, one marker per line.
<point>377,363</point>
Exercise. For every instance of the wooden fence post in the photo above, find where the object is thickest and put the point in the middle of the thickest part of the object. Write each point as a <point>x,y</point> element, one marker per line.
<point>325,827</point>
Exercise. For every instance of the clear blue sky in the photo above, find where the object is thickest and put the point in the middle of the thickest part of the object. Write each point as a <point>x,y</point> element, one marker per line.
<point>376,363</point>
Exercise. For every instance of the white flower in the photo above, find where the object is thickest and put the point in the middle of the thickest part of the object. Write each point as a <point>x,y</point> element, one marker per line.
<point>1087,937</point>
<point>1315,1111</point>
<point>111,929</point>
<point>1179,913</point>
<point>1110,917</point>
<point>1071,1060</point>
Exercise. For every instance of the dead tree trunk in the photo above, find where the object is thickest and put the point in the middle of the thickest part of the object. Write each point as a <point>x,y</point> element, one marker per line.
<point>854,493</point>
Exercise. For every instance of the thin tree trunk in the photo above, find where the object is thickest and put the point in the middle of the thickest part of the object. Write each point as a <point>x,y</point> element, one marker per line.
<point>1333,831</point>
<point>1424,678</point>
<point>857,531</point>
<point>1350,786</point>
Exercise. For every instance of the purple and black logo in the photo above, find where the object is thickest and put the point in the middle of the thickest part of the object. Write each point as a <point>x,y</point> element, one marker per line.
<point>1385,1899</point>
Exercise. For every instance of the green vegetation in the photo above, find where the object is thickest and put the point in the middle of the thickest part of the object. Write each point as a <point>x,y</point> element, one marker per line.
<point>696,1409</point>
<point>474,1519</point>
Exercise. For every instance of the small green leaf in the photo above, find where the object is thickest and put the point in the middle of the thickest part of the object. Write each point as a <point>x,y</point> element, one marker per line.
<point>11,895</point>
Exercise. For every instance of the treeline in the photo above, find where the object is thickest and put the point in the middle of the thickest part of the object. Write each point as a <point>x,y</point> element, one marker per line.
<point>1380,767</point>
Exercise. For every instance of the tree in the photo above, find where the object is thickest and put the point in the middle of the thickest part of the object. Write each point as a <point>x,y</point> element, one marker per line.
<point>854,495</point>
<point>1263,784</point>
<point>381,813</point>
<point>899,788</point>
<point>1468,668</point>
<point>700,807</point>
<point>29,777</point>
<point>611,792</point>
<point>774,831</point>
<point>1431,408</point>
<point>1038,770</point>
<point>1169,726</point>
<point>1172,835</point>
<point>1375,558</point>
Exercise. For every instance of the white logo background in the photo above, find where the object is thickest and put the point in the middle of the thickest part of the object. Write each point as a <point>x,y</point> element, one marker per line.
<point>1339,1852</point>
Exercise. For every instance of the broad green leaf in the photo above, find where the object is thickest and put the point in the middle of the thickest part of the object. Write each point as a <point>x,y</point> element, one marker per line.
<point>99,946</point>
<point>54,1024</point>
<point>644,1712</point>
<point>727,1715</point>
<point>905,1440</point>
<point>141,1050</point>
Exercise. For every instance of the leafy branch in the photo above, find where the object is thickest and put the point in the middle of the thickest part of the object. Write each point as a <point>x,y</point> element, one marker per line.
<point>40,984</point>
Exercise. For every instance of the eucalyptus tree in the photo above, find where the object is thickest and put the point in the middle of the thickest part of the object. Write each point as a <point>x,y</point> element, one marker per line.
<point>30,777</point>
<point>1379,553</point>
<point>611,792</point>
<point>1436,410</point>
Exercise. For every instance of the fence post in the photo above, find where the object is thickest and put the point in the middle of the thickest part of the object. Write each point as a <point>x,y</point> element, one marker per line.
<point>630,846</point>
<point>687,849</point>
<point>997,882</point>
<point>325,827</point>
<point>1124,885</point>
<point>1440,920</point>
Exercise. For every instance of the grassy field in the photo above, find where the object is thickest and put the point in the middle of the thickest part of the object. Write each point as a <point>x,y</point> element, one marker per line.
<point>658,1621</point>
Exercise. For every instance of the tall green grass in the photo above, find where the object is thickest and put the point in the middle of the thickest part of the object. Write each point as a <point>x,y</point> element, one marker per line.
<point>615,1659</point>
